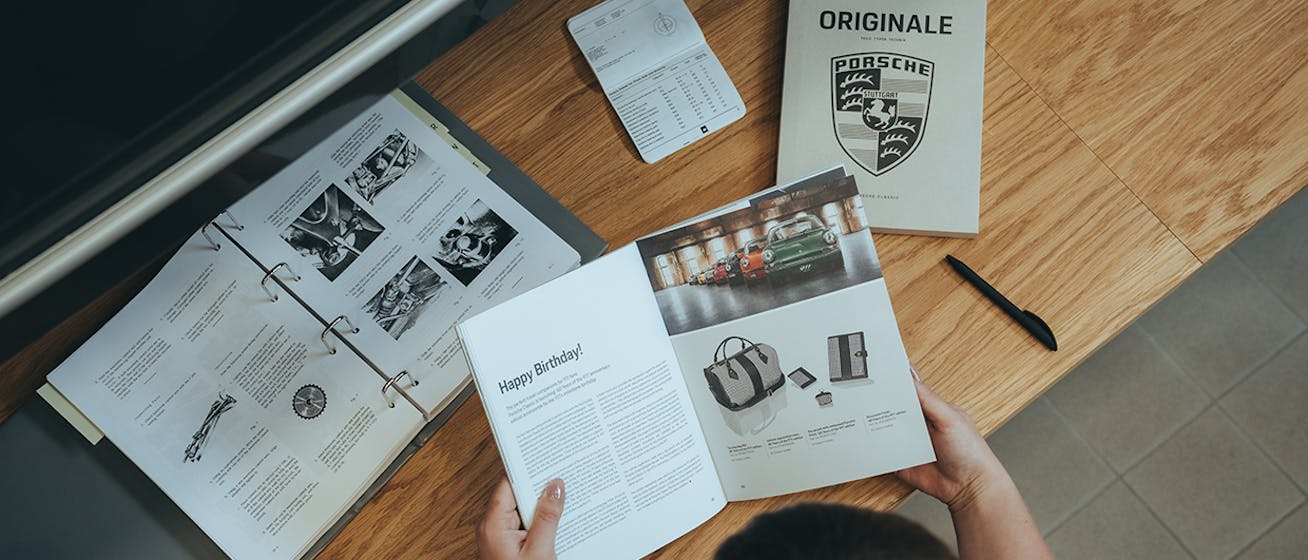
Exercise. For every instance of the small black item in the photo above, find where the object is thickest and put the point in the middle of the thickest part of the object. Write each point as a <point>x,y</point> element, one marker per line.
<point>1025,318</point>
<point>848,356</point>
<point>824,399</point>
<point>801,377</point>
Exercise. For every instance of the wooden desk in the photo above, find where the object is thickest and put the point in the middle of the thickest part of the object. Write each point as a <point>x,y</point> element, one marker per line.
<point>1107,178</point>
<point>1124,145</point>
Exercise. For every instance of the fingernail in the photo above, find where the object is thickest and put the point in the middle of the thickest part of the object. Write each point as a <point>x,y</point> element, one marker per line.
<point>913,371</point>
<point>553,490</point>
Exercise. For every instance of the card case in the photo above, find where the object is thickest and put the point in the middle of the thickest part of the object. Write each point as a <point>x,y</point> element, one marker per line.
<point>801,377</point>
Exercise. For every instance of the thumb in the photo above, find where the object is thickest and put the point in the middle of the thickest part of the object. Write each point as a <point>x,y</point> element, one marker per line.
<point>545,522</point>
<point>937,410</point>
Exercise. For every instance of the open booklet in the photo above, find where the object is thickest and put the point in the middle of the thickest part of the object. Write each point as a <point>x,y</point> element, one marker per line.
<point>657,70</point>
<point>750,352</point>
<point>289,355</point>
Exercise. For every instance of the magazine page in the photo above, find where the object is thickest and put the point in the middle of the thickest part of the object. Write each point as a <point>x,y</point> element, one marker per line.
<point>386,224</point>
<point>228,402</point>
<point>784,331</point>
<point>580,382</point>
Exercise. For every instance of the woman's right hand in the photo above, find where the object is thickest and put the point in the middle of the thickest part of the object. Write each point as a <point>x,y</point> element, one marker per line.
<point>964,465</point>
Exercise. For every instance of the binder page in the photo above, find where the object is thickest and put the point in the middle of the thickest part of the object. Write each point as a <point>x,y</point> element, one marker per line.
<point>230,404</point>
<point>386,224</point>
<point>783,328</point>
<point>660,75</point>
<point>579,382</point>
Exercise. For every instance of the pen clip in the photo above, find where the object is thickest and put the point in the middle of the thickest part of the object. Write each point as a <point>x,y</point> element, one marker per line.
<point>1044,326</point>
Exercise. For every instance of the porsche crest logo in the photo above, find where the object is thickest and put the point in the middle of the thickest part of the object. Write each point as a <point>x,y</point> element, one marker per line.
<point>879,106</point>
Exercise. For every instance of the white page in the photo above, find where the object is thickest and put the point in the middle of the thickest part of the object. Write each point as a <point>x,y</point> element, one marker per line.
<point>612,418</point>
<point>788,441</point>
<point>267,480</point>
<point>413,281</point>
<point>658,72</point>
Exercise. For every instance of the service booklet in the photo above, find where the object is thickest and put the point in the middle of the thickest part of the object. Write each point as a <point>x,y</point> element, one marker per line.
<point>664,81</point>
<point>893,90</point>
<point>748,353</point>
<point>287,354</point>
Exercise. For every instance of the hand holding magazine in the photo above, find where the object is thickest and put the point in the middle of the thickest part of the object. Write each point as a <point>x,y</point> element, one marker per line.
<point>747,353</point>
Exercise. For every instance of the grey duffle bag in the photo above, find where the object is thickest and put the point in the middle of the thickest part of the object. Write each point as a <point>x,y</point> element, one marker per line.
<point>743,379</point>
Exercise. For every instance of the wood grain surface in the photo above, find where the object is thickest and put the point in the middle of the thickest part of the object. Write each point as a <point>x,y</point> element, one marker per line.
<point>1125,143</point>
<point>1198,106</point>
<point>1060,233</point>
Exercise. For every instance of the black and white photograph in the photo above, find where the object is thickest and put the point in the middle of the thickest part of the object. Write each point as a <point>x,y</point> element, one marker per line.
<point>779,251</point>
<point>403,300</point>
<point>332,232</point>
<point>220,406</point>
<point>473,241</point>
<point>385,165</point>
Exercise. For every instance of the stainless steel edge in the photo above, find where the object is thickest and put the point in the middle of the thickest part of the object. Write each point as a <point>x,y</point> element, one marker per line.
<point>215,154</point>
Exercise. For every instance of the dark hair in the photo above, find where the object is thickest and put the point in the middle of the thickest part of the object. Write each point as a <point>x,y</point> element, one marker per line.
<point>817,530</point>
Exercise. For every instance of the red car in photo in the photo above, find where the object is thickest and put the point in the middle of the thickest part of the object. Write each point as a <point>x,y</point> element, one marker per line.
<point>720,272</point>
<point>752,267</point>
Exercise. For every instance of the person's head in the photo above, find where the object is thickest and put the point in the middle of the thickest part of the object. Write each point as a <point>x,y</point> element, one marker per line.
<point>816,530</point>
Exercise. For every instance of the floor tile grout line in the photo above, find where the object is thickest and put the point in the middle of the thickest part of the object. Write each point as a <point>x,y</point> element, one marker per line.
<point>1096,155</point>
<point>1185,421</point>
<point>1158,519</point>
<point>1275,294</point>
<point>1153,451</point>
<point>1239,428</point>
<point>1167,355</point>
<point>1303,496</point>
<point>1269,529</point>
<point>1263,363</point>
<point>1245,375</point>
<point>1095,493</point>
<point>1189,377</point>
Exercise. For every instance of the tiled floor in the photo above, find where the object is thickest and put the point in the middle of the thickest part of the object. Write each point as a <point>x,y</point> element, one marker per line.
<point>1187,435</point>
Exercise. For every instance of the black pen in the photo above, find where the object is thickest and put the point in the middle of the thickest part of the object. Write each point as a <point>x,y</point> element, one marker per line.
<point>1029,321</point>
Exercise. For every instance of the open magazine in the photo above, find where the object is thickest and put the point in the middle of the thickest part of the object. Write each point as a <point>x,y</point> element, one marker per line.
<point>748,353</point>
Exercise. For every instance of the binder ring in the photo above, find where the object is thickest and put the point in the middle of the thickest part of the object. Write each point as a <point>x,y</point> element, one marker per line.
<point>392,382</point>
<point>331,349</point>
<point>271,274</point>
<point>235,223</point>
<point>205,232</point>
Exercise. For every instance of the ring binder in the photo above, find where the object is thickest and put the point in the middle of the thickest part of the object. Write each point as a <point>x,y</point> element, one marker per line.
<point>205,232</point>
<point>272,274</point>
<point>392,384</point>
<point>232,218</point>
<point>332,327</point>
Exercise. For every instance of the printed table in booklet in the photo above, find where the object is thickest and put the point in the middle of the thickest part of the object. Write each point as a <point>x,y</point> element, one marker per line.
<point>660,75</point>
<point>661,381</point>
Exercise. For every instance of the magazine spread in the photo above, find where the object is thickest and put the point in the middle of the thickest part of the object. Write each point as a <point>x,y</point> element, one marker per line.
<point>894,91</point>
<point>386,225</point>
<point>761,335</point>
<point>261,378</point>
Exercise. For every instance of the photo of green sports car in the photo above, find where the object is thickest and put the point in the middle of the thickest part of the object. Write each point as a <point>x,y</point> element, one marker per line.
<point>800,245</point>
